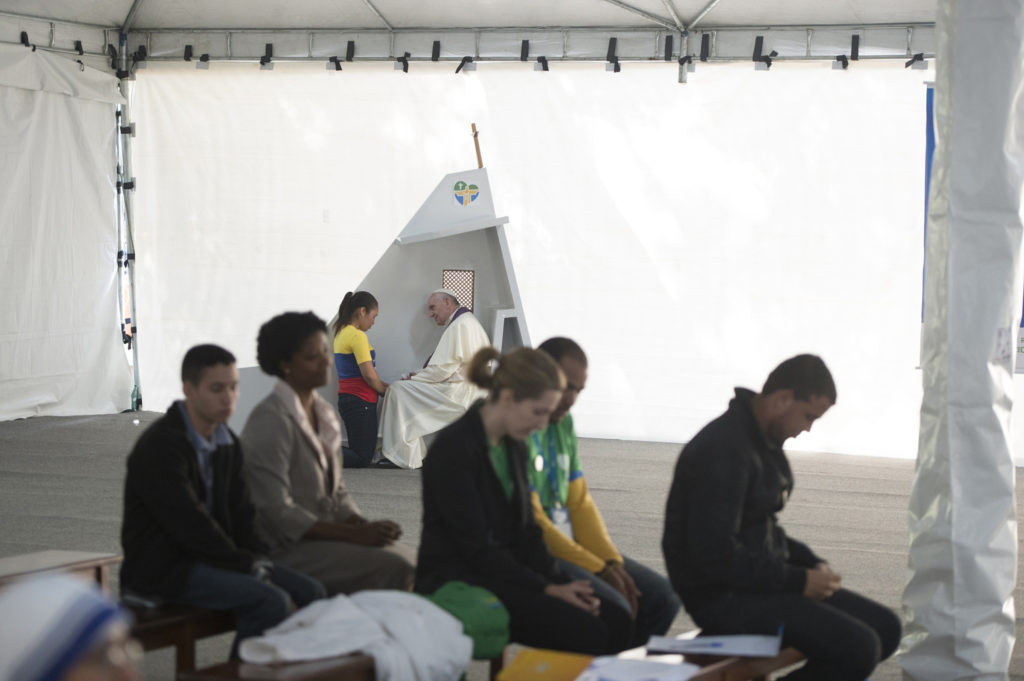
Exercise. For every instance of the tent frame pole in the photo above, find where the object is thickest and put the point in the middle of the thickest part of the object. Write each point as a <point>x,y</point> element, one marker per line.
<point>126,190</point>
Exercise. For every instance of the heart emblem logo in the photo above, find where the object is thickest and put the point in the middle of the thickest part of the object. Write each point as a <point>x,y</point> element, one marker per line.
<point>464,193</point>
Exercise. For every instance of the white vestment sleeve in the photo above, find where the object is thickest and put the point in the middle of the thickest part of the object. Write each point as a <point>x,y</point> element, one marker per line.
<point>459,342</point>
<point>436,373</point>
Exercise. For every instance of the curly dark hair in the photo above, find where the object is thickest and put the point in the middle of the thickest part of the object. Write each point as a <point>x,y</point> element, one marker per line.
<point>281,337</point>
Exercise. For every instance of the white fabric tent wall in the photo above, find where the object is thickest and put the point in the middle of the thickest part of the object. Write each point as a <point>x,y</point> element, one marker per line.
<point>60,342</point>
<point>689,237</point>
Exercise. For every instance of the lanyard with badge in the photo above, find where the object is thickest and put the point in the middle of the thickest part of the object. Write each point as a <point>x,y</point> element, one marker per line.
<point>549,459</point>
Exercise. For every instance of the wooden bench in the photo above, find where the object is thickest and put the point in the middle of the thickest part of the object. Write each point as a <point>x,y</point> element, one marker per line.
<point>715,668</point>
<point>712,668</point>
<point>91,565</point>
<point>344,668</point>
<point>178,626</point>
<point>360,668</point>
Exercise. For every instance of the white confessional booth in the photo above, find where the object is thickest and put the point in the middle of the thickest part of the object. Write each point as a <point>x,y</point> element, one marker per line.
<point>454,241</point>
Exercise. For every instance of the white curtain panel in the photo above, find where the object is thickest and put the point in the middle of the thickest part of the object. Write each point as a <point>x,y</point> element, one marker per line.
<point>690,237</point>
<point>958,602</point>
<point>60,340</point>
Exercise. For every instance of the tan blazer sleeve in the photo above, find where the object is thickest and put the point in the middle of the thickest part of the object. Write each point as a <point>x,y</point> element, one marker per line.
<point>269,441</point>
<point>344,505</point>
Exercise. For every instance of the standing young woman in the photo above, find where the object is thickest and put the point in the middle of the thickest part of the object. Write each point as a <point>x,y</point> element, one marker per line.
<point>359,386</point>
<point>478,524</point>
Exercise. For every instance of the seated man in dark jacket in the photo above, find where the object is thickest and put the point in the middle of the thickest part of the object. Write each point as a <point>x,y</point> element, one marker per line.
<point>187,531</point>
<point>731,562</point>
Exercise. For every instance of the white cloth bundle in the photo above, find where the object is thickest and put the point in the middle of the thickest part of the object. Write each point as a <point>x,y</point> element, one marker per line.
<point>408,637</point>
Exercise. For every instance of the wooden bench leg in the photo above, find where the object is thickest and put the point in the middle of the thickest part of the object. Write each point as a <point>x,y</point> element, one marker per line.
<point>497,664</point>
<point>185,649</point>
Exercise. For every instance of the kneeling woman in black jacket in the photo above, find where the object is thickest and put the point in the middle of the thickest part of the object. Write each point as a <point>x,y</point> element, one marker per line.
<point>477,522</point>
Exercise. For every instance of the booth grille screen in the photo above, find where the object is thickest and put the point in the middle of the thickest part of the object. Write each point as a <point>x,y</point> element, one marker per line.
<point>461,282</point>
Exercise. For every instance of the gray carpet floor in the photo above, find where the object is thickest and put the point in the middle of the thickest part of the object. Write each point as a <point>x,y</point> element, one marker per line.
<point>61,484</point>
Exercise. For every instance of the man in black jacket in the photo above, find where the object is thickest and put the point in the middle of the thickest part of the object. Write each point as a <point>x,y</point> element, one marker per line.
<point>187,531</point>
<point>730,561</point>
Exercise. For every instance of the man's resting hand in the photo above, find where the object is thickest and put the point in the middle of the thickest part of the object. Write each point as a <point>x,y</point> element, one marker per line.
<point>821,582</point>
<point>620,580</point>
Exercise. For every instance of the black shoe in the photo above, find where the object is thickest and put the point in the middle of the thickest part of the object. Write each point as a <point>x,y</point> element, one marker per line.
<point>385,463</point>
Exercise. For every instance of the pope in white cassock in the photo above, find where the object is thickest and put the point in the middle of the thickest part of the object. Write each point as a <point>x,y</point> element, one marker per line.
<point>438,394</point>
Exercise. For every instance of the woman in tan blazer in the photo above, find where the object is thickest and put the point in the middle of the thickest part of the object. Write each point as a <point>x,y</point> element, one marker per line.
<point>291,444</point>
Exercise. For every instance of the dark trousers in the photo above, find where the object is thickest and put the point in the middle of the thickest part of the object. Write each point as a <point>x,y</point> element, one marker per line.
<point>844,637</point>
<point>544,621</point>
<point>360,419</point>
<point>658,602</point>
<point>257,605</point>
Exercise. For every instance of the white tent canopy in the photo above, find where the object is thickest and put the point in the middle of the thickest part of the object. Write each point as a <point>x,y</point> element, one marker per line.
<point>399,14</point>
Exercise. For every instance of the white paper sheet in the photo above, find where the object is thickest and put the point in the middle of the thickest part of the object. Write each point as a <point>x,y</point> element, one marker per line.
<point>741,645</point>
<point>619,669</point>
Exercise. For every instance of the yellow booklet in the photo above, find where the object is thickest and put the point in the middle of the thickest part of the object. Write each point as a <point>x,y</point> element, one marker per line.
<point>538,664</point>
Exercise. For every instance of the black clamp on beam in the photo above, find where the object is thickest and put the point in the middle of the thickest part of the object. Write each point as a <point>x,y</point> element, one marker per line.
<point>669,40</point>
<point>404,61</point>
<point>350,51</point>
<point>435,51</point>
<point>758,57</point>
<point>855,47</point>
<point>611,57</point>
<point>543,61</point>
<point>25,42</point>
<point>462,64</point>
<point>336,62</point>
<point>78,48</point>
<point>705,46</point>
<point>843,61</point>
<point>188,53</point>
<point>268,54</point>
<point>916,58</point>
<point>524,51</point>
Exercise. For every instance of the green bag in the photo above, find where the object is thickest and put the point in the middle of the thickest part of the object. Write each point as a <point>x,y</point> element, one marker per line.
<point>484,618</point>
